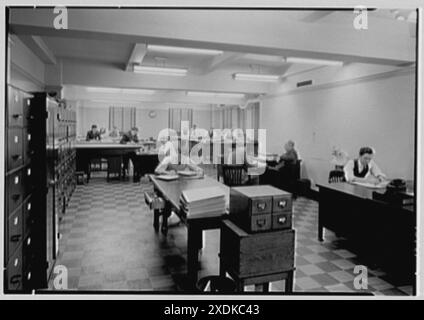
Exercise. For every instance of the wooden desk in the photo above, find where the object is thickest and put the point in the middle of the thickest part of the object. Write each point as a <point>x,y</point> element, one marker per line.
<point>382,233</point>
<point>86,151</point>
<point>171,191</point>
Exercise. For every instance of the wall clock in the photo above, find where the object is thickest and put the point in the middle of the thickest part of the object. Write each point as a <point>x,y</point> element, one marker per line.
<point>152,114</point>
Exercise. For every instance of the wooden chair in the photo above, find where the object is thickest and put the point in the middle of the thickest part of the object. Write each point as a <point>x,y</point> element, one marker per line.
<point>233,174</point>
<point>336,176</point>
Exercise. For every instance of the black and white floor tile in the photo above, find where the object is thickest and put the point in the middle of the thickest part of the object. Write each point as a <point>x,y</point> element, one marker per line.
<point>108,243</point>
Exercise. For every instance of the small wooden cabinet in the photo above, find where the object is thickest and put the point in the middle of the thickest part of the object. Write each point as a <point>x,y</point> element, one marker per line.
<point>257,258</point>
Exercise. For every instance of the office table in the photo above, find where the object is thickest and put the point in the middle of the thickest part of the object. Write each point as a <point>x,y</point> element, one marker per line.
<point>86,151</point>
<point>382,232</point>
<point>171,191</point>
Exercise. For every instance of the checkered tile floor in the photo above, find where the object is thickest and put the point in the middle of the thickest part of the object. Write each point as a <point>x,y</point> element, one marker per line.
<point>108,243</point>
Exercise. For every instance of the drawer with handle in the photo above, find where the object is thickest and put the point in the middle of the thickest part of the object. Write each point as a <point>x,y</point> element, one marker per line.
<point>261,222</point>
<point>15,107</point>
<point>14,231</point>
<point>28,180</point>
<point>14,148</point>
<point>281,220</point>
<point>28,216</point>
<point>28,146</point>
<point>15,190</point>
<point>261,205</point>
<point>282,203</point>
<point>14,271</point>
<point>28,250</point>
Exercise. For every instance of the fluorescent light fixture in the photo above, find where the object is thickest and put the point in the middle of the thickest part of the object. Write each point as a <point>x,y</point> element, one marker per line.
<point>179,72</point>
<point>138,91</point>
<point>119,90</point>
<point>313,61</point>
<point>103,90</point>
<point>215,94</point>
<point>256,77</point>
<point>159,48</point>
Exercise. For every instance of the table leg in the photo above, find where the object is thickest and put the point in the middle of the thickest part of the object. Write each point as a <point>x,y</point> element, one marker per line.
<point>265,287</point>
<point>240,286</point>
<point>165,215</point>
<point>289,282</point>
<point>194,240</point>
<point>156,215</point>
<point>320,231</point>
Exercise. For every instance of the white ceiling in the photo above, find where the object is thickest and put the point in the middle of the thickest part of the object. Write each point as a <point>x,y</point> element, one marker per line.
<point>90,42</point>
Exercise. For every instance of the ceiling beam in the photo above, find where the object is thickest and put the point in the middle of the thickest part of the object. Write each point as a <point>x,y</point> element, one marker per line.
<point>89,73</point>
<point>220,61</point>
<point>39,48</point>
<point>314,16</point>
<point>137,55</point>
<point>261,32</point>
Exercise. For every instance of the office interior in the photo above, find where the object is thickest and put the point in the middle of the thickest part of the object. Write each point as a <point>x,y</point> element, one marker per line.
<point>78,215</point>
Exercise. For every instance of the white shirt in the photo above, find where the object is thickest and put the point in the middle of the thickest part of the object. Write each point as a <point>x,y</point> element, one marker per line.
<point>373,170</point>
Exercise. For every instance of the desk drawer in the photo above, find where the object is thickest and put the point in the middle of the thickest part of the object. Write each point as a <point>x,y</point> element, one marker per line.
<point>15,190</point>
<point>14,271</point>
<point>14,148</point>
<point>14,231</point>
<point>15,107</point>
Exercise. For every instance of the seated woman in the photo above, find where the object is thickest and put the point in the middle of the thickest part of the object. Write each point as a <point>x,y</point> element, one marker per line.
<point>172,163</point>
<point>364,169</point>
<point>289,157</point>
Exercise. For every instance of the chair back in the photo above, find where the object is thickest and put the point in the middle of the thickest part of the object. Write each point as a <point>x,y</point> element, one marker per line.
<point>233,174</point>
<point>336,176</point>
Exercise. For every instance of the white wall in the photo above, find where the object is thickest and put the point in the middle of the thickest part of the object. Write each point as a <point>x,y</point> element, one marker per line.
<point>379,113</point>
<point>203,118</point>
<point>27,71</point>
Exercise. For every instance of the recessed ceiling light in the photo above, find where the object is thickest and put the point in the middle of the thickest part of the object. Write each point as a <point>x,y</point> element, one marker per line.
<point>179,72</point>
<point>313,61</point>
<point>159,48</point>
<point>256,77</point>
<point>215,94</point>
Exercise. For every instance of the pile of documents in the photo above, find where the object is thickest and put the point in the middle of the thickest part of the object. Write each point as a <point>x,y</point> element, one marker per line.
<point>203,201</point>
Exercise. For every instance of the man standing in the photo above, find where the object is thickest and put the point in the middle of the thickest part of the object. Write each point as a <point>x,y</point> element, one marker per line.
<point>130,137</point>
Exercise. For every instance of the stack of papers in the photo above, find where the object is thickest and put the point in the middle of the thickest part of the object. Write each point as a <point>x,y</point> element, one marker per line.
<point>203,201</point>
<point>372,185</point>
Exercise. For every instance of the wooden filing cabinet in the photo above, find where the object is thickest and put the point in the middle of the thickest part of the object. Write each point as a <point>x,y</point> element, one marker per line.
<point>255,254</point>
<point>260,208</point>
<point>19,185</point>
<point>39,166</point>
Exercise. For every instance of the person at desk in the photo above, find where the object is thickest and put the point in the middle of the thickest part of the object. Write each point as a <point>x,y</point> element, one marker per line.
<point>93,134</point>
<point>363,169</point>
<point>171,165</point>
<point>130,137</point>
<point>114,133</point>
<point>289,157</point>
